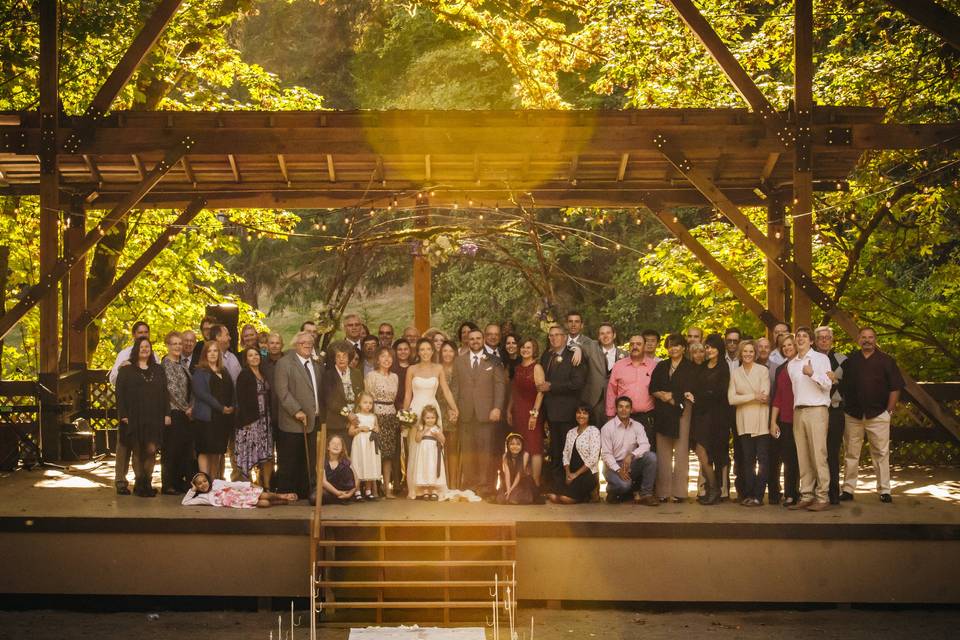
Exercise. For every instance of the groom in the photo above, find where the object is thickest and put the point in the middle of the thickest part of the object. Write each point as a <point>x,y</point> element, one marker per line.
<point>481,393</point>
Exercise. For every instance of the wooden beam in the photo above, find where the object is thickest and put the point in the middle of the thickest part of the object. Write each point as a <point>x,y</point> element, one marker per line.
<point>138,163</point>
<point>931,15</point>
<point>331,168</point>
<point>803,155</point>
<point>776,282</point>
<point>574,165</point>
<point>422,276</point>
<point>234,169</point>
<point>53,274</point>
<point>188,171</point>
<point>800,278</point>
<point>91,165</point>
<point>769,166</point>
<point>133,57</point>
<point>381,172</point>
<point>45,293</point>
<point>735,73</point>
<point>728,279</point>
<point>76,339</point>
<point>622,170</point>
<point>427,167</point>
<point>283,168</point>
<point>476,168</point>
<point>100,304</point>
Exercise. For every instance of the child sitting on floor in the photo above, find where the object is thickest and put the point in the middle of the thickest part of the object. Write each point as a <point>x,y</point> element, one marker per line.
<point>239,495</point>
<point>516,483</point>
<point>339,478</point>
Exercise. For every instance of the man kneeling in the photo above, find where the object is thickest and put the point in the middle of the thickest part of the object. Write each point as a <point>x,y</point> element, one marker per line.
<point>628,464</point>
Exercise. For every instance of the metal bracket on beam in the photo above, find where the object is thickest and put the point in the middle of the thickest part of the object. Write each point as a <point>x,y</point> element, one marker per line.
<point>839,136</point>
<point>48,143</point>
<point>804,151</point>
<point>14,141</point>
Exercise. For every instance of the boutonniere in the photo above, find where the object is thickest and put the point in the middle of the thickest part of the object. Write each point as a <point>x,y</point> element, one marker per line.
<point>483,356</point>
<point>559,359</point>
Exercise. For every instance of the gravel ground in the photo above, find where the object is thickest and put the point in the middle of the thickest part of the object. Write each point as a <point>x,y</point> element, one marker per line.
<point>848,624</point>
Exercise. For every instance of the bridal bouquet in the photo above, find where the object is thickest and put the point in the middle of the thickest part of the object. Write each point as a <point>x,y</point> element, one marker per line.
<point>407,417</point>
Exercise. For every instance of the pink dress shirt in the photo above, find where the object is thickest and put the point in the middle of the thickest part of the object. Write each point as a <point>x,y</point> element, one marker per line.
<point>632,381</point>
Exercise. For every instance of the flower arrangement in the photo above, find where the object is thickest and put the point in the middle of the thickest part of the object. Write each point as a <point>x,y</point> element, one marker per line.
<point>407,417</point>
<point>347,410</point>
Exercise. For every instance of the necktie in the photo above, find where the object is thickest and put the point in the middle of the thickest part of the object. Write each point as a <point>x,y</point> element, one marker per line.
<point>476,361</point>
<point>306,365</point>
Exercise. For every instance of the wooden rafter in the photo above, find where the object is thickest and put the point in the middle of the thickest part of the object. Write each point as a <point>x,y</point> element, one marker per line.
<point>729,280</point>
<point>743,83</point>
<point>622,169</point>
<point>282,162</point>
<point>234,169</point>
<point>801,278</point>
<point>331,168</point>
<point>51,276</point>
<point>99,305</point>
<point>138,163</point>
<point>574,165</point>
<point>188,171</point>
<point>91,165</point>
<point>931,15</point>
<point>133,56</point>
<point>427,167</point>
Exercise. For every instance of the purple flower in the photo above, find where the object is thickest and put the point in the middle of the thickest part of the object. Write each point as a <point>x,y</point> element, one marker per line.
<point>469,249</point>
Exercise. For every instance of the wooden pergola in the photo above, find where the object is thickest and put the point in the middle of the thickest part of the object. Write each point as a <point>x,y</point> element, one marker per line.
<point>657,159</point>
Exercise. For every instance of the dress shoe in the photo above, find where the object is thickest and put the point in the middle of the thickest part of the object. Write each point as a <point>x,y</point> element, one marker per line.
<point>676,500</point>
<point>170,491</point>
<point>886,498</point>
<point>612,498</point>
<point>834,500</point>
<point>123,490</point>
<point>845,496</point>
<point>819,506</point>
<point>648,501</point>
<point>803,504</point>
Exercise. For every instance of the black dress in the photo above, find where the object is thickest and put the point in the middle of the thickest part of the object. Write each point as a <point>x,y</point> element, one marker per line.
<point>212,436</point>
<point>142,398</point>
<point>666,420</point>
<point>710,428</point>
<point>526,490</point>
<point>581,489</point>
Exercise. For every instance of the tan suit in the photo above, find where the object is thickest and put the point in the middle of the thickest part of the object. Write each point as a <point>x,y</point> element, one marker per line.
<point>480,389</point>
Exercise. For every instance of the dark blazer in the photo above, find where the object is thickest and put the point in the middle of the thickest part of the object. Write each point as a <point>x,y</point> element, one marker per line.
<point>335,399</point>
<point>204,404</point>
<point>248,407</point>
<point>666,420</point>
<point>566,385</point>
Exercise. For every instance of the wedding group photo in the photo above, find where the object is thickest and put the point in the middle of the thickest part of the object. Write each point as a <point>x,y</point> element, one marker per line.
<point>470,319</point>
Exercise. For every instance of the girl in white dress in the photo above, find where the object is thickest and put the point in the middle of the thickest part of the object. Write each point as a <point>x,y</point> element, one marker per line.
<point>429,473</point>
<point>365,452</point>
<point>424,380</point>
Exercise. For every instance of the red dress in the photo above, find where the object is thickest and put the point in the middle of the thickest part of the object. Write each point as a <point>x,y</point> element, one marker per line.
<point>524,391</point>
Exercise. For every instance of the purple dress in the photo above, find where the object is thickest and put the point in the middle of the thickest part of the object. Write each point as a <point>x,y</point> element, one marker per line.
<point>254,441</point>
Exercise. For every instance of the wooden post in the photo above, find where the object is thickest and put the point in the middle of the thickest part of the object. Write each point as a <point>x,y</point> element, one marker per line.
<point>931,15</point>
<point>776,282</point>
<point>47,296</point>
<point>77,293</point>
<point>803,155</point>
<point>421,277</point>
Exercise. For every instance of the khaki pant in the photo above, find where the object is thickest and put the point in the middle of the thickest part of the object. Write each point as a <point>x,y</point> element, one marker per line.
<point>810,426</point>
<point>877,430</point>
<point>673,460</point>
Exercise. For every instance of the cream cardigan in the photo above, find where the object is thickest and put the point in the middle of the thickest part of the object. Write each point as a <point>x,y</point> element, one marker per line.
<point>753,415</point>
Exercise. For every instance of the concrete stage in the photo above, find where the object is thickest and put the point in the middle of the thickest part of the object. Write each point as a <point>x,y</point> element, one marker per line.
<point>69,533</point>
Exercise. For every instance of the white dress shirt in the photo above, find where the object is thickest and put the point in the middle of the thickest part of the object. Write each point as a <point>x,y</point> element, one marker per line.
<point>313,379</point>
<point>611,356</point>
<point>733,363</point>
<point>232,364</point>
<point>618,439</point>
<point>813,390</point>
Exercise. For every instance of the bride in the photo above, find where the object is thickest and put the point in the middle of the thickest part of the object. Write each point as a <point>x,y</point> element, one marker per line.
<point>423,381</point>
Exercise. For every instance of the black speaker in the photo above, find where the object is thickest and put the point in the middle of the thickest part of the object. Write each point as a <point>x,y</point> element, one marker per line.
<point>228,315</point>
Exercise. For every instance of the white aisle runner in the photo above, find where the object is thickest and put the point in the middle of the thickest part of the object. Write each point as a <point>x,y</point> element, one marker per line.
<point>417,633</point>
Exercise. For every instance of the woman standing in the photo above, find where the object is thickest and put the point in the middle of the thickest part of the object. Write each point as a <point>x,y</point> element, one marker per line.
<point>144,406</point>
<point>424,380</point>
<point>176,457</point>
<point>709,428</point>
<point>451,448</point>
<point>437,337</point>
<point>253,446</point>
<point>511,349</point>
<point>783,448</point>
<point>383,384</point>
<point>462,332</point>
<point>670,381</point>
<point>523,409</point>
<point>581,461</point>
<point>749,392</point>
<point>213,407</point>
<point>402,352</point>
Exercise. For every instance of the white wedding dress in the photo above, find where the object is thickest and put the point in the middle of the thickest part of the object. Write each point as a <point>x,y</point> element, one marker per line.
<point>424,393</point>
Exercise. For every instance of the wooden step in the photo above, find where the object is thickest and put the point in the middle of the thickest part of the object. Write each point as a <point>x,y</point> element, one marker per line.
<point>376,524</point>
<point>412,584</point>
<point>437,604</point>
<point>416,543</point>
<point>414,563</point>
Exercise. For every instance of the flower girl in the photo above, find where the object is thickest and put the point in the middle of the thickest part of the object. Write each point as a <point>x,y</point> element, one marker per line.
<point>365,451</point>
<point>429,473</point>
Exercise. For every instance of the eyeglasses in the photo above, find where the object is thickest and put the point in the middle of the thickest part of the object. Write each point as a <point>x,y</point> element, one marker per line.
<point>733,340</point>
